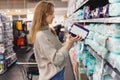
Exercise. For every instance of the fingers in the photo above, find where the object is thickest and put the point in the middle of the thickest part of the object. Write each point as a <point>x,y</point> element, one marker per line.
<point>77,38</point>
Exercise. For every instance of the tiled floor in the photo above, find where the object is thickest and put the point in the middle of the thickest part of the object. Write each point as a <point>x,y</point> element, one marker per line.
<point>14,72</point>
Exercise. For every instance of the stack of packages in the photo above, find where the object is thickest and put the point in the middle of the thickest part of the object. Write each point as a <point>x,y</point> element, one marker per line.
<point>105,40</point>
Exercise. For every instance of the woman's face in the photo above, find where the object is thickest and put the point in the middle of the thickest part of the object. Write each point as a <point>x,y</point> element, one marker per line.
<point>50,17</point>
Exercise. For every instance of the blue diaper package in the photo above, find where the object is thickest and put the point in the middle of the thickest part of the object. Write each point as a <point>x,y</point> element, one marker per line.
<point>91,66</point>
<point>79,15</point>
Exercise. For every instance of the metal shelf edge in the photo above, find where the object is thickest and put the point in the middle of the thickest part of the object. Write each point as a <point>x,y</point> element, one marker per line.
<point>83,3</point>
<point>101,20</point>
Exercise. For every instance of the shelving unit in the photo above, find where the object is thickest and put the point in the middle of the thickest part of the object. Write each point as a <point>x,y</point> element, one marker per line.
<point>113,72</point>
<point>81,6</point>
<point>8,56</point>
<point>100,20</point>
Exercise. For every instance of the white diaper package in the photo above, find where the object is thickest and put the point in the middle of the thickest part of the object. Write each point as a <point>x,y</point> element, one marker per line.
<point>118,62</point>
<point>100,39</point>
<point>114,1</point>
<point>90,35</point>
<point>97,74</point>
<point>107,77</point>
<point>113,30</point>
<point>99,49</point>
<point>113,45</point>
<point>114,9</point>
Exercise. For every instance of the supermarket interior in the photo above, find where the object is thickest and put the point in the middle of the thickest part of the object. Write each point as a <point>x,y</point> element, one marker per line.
<point>93,55</point>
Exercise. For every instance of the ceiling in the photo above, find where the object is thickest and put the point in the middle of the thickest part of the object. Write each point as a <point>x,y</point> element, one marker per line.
<point>21,4</point>
<point>19,7</point>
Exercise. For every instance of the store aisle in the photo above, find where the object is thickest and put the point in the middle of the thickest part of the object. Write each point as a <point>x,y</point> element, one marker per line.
<point>14,72</point>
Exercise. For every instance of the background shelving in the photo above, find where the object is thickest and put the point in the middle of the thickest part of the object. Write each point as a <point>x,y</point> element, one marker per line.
<point>8,56</point>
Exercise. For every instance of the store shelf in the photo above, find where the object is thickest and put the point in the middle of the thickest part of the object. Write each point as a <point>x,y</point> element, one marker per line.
<point>12,62</point>
<point>94,53</point>
<point>81,6</point>
<point>110,70</point>
<point>10,56</point>
<point>100,20</point>
<point>113,72</point>
<point>1,72</point>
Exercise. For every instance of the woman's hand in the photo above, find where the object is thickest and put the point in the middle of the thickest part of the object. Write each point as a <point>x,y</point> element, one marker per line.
<point>71,40</point>
<point>74,39</point>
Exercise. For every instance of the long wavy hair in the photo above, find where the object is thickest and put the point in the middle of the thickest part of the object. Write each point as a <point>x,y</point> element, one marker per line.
<point>42,9</point>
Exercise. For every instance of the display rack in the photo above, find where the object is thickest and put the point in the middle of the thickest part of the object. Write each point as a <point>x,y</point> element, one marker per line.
<point>8,56</point>
<point>100,20</point>
<point>94,4</point>
<point>109,68</point>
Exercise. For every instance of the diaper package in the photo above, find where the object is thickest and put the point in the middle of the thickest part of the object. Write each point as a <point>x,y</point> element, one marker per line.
<point>91,66</point>
<point>114,9</point>
<point>114,1</point>
<point>90,27</point>
<point>90,35</point>
<point>113,45</point>
<point>100,39</point>
<point>97,74</point>
<point>87,12</point>
<point>95,13</point>
<point>79,15</point>
<point>118,63</point>
<point>107,77</point>
<point>113,30</point>
<point>112,59</point>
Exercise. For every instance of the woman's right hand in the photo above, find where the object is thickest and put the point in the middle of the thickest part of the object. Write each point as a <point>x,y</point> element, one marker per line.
<point>71,40</point>
<point>74,39</point>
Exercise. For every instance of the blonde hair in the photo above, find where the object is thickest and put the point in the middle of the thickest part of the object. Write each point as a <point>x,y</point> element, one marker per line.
<point>42,9</point>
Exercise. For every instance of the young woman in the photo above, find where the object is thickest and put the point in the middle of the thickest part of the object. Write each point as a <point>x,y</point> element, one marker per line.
<point>49,52</point>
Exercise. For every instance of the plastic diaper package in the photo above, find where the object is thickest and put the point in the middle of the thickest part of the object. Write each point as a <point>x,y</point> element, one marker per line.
<point>107,77</point>
<point>113,30</point>
<point>99,49</point>
<point>87,12</point>
<point>112,59</point>
<point>79,15</point>
<point>90,35</point>
<point>114,9</point>
<point>100,39</point>
<point>118,62</point>
<point>78,3</point>
<point>91,66</point>
<point>90,27</point>
<point>99,28</point>
<point>96,75</point>
<point>113,45</point>
<point>114,1</point>
<point>88,41</point>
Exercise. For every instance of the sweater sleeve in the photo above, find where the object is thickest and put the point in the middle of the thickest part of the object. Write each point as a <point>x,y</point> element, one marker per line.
<point>49,51</point>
